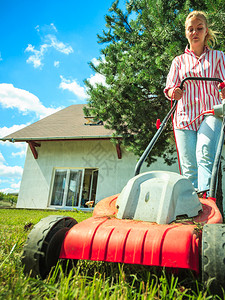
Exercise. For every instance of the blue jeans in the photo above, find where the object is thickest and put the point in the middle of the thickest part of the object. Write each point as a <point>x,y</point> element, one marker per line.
<point>197,151</point>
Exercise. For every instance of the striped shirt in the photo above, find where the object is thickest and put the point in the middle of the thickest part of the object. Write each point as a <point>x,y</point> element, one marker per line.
<point>198,96</point>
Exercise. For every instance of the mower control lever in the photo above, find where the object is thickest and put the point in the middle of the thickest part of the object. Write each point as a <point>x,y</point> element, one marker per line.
<point>202,79</point>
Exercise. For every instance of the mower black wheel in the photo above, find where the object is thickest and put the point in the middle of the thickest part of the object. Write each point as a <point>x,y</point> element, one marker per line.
<point>213,257</point>
<point>42,248</point>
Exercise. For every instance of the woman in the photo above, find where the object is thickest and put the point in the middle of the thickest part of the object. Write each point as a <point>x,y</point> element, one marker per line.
<point>197,143</point>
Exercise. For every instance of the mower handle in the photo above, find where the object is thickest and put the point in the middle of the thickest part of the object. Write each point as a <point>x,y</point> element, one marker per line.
<point>164,122</point>
<point>199,78</point>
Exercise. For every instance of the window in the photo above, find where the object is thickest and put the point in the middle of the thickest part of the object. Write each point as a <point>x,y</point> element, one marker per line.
<point>74,187</point>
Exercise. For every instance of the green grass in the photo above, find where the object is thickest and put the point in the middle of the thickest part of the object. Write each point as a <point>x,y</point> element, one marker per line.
<point>88,280</point>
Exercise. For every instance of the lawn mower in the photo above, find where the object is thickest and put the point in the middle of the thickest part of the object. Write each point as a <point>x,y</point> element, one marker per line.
<point>157,220</point>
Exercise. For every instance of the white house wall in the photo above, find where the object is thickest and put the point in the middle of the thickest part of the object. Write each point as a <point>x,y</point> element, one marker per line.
<point>113,174</point>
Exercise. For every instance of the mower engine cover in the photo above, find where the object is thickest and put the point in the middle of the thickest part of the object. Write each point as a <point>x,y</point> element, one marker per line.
<point>158,196</point>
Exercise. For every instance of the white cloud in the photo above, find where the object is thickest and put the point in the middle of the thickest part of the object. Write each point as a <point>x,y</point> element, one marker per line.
<point>96,61</point>
<point>16,186</point>
<point>21,147</point>
<point>13,189</point>
<point>78,90</point>
<point>37,28</point>
<point>9,174</point>
<point>7,130</point>
<point>2,160</point>
<point>38,55</point>
<point>24,101</point>
<point>50,41</point>
<point>97,79</point>
<point>13,172</point>
<point>74,87</point>
<point>57,45</point>
<point>45,29</point>
<point>53,27</point>
<point>21,154</point>
<point>56,64</point>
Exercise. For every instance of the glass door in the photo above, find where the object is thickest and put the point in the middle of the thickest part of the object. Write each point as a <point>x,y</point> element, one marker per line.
<point>59,187</point>
<point>74,188</point>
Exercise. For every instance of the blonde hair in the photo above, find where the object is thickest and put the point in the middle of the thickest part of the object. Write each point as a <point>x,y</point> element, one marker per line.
<point>210,39</point>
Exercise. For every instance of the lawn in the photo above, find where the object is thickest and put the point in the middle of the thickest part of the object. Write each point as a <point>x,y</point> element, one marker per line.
<point>88,280</point>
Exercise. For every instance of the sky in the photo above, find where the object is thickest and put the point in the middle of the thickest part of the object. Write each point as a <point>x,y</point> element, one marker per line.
<point>45,48</point>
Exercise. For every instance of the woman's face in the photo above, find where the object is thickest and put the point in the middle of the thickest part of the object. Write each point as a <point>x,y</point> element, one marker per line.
<point>196,32</point>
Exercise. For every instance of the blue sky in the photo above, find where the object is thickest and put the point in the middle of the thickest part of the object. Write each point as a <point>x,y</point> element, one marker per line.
<point>45,48</point>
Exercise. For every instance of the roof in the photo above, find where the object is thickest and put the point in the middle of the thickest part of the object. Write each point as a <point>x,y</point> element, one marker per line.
<point>66,124</point>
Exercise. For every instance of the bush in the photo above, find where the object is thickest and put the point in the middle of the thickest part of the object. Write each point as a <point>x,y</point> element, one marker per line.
<point>11,198</point>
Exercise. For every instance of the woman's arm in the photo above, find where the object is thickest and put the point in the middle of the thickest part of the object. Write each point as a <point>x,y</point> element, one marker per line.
<point>173,80</point>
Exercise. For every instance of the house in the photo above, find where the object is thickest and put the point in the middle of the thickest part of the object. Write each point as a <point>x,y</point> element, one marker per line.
<point>71,160</point>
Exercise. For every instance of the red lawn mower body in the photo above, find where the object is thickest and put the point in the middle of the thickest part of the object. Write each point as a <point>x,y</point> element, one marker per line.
<point>103,237</point>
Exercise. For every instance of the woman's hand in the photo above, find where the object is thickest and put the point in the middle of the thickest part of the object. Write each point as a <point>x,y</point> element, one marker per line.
<point>177,93</point>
